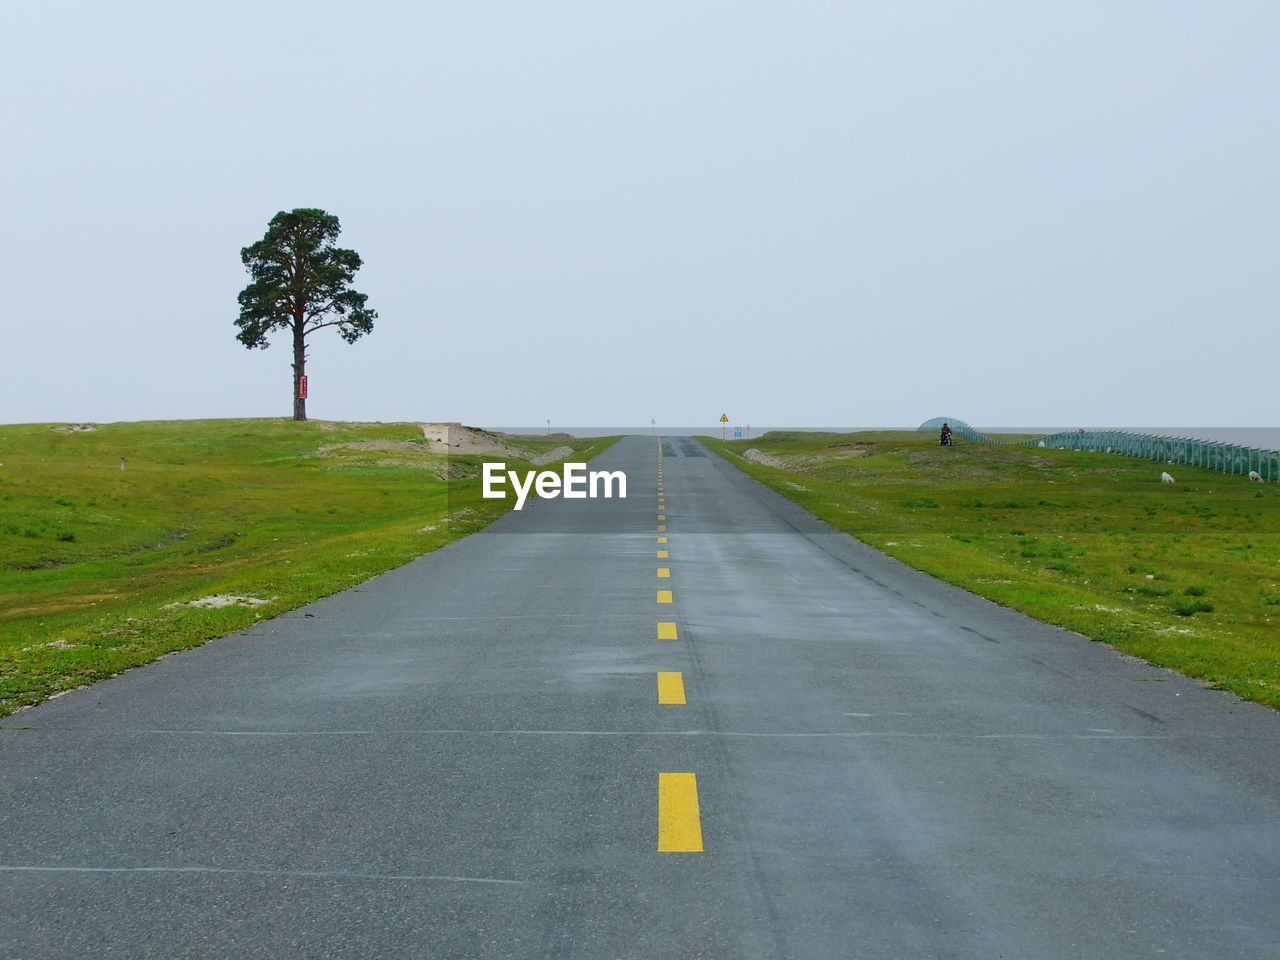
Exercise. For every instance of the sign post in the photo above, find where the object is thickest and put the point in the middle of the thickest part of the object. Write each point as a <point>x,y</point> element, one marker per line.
<point>302,387</point>
<point>724,418</point>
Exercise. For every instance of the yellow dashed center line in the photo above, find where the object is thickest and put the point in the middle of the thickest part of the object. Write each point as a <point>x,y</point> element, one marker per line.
<point>671,688</point>
<point>679,817</point>
<point>679,820</point>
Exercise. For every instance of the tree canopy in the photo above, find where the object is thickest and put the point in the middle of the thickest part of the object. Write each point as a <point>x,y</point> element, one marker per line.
<point>300,275</point>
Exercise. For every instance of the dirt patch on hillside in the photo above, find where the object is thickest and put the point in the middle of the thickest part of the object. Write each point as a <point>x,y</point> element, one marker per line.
<point>800,461</point>
<point>456,439</point>
<point>759,456</point>
<point>559,453</point>
<point>74,428</point>
<point>442,440</point>
<point>218,600</point>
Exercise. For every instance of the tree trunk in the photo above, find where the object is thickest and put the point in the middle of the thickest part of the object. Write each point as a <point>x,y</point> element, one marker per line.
<point>299,371</point>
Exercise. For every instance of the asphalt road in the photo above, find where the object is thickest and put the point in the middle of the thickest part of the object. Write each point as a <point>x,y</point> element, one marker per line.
<point>467,757</point>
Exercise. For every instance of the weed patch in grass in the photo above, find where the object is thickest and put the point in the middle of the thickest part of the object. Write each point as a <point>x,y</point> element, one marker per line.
<point>1063,567</point>
<point>1189,608</point>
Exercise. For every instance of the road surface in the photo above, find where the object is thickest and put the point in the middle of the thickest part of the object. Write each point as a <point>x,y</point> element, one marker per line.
<point>485,754</point>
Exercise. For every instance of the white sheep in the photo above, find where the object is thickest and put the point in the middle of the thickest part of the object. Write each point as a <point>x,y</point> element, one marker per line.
<point>1255,475</point>
<point>1165,478</point>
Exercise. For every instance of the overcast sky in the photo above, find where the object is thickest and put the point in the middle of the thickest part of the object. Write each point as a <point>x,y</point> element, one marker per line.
<point>798,213</point>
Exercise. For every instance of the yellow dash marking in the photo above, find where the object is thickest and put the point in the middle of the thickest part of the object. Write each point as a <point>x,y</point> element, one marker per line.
<point>664,573</point>
<point>671,688</point>
<point>662,539</point>
<point>664,596</point>
<point>662,554</point>
<point>662,516</point>
<point>667,630</point>
<point>662,528</point>
<point>679,822</point>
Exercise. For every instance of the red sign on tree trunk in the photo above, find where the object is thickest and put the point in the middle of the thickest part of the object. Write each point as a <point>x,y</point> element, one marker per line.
<point>302,387</point>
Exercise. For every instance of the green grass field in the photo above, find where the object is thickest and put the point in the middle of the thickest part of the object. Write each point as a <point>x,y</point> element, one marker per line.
<point>97,563</point>
<point>1184,575</point>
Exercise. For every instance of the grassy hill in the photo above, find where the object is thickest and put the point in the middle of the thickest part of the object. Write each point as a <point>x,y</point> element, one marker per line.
<point>98,564</point>
<point>1184,575</point>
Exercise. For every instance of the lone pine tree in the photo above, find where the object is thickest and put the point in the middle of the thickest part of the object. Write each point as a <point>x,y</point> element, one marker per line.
<point>301,282</point>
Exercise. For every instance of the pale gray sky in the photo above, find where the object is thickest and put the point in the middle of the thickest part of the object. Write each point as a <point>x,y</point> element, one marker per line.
<point>805,213</point>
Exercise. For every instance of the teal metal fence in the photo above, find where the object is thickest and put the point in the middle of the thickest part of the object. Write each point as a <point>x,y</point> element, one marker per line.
<point>1229,458</point>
